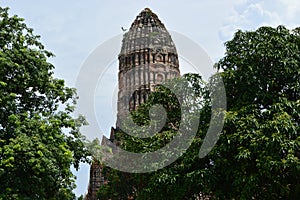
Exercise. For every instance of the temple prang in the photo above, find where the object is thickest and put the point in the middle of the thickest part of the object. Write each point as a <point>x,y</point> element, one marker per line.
<point>147,58</point>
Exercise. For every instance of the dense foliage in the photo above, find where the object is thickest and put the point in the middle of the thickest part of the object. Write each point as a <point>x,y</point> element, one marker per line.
<point>257,155</point>
<point>178,180</point>
<point>39,138</point>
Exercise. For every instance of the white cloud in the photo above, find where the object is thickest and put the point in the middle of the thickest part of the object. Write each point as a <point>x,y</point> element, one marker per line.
<point>292,9</point>
<point>249,16</point>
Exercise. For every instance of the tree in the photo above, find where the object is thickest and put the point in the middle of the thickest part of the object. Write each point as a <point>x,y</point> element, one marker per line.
<point>180,180</point>
<point>257,156</point>
<point>39,138</point>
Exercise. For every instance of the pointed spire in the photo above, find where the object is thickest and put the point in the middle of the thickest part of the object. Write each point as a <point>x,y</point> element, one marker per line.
<point>147,18</point>
<point>147,32</point>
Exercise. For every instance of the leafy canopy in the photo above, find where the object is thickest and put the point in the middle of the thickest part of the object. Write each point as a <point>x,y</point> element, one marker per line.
<point>257,154</point>
<point>39,138</point>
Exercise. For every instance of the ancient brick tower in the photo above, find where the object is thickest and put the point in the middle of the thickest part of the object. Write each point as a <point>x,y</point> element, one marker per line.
<point>148,57</point>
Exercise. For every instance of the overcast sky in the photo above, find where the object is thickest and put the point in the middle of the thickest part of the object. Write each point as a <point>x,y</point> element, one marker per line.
<point>74,29</point>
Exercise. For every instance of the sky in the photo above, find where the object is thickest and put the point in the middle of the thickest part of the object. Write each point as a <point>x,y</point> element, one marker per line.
<point>73,30</point>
